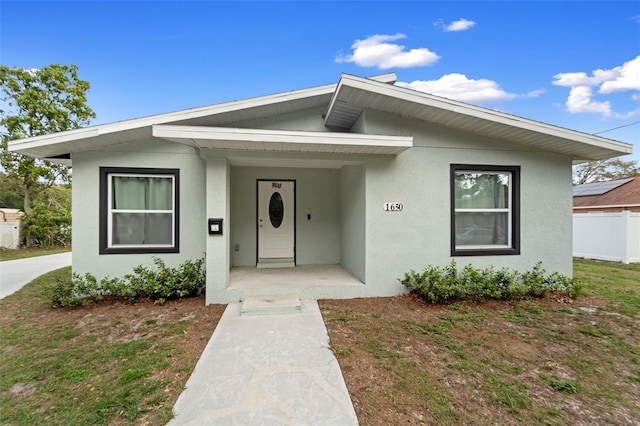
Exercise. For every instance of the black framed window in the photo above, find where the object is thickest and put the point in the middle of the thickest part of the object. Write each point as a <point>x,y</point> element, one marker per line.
<point>139,210</point>
<point>485,210</point>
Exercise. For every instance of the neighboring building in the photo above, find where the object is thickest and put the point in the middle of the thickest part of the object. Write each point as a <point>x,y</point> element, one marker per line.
<point>606,220</point>
<point>609,196</point>
<point>10,228</point>
<point>363,174</point>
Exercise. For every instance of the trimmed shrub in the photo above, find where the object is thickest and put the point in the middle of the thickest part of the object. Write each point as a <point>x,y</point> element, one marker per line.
<point>163,283</point>
<point>159,284</point>
<point>448,284</point>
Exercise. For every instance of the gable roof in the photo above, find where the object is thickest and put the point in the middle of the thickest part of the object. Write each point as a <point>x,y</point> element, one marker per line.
<point>345,101</point>
<point>620,192</point>
<point>355,94</point>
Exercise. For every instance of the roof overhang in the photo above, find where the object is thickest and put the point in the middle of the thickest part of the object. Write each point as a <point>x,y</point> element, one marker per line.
<point>55,145</point>
<point>283,140</point>
<point>105,135</point>
<point>354,95</point>
<point>211,126</point>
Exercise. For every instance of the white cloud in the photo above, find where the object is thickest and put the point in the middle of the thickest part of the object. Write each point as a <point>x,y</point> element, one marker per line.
<point>579,100</point>
<point>618,79</point>
<point>571,79</point>
<point>459,25</point>
<point>627,77</point>
<point>534,93</point>
<point>377,51</point>
<point>461,88</point>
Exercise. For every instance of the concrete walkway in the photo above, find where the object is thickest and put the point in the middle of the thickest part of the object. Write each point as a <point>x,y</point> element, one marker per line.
<point>267,370</point>
<point>16,273</point>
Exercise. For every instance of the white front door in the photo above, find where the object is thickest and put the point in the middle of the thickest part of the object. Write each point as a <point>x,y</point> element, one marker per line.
<point>276,224</point>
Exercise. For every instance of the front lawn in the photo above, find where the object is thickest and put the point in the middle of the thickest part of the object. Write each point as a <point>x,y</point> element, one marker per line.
<point>543,361</point>
<point>539,361</point>
<point>107,363</point>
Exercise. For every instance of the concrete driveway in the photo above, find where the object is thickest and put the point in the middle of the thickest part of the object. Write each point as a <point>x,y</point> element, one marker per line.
<point>16,273</point>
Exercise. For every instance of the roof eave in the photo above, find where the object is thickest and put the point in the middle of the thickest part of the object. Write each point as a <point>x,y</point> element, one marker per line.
<point>283,140</point>
<point>65,140</point>
<point>342,115</point>
<point>29,146</point>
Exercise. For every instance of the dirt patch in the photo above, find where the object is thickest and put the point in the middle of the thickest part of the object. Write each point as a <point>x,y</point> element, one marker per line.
<point>22,388</point>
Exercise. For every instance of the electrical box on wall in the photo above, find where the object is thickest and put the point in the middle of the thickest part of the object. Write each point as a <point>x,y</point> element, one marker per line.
<point>215,226</point>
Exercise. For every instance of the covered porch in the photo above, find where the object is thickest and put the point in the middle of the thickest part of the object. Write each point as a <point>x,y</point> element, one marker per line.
<point>327,173</point>
<point>329,198</point>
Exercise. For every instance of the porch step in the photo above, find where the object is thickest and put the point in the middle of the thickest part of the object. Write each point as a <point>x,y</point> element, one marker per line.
<point>280,262</point>
<point>271,304</point>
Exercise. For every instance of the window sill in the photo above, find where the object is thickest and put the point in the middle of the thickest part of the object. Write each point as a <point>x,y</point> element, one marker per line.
<point>485,252</point>
<point>138,250</point>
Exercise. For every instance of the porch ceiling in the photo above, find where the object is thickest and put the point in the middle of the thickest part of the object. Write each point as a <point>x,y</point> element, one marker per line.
<point>283,140</point>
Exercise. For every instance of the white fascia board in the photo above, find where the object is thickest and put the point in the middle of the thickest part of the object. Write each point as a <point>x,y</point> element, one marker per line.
<point>195,133</point>
<point>53,138</point>
<point>457,107</point>
<point>388,78</point>
<point>186,114</point>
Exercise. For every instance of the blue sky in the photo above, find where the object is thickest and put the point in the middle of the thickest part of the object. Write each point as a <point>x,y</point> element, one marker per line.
<point>572,64</point>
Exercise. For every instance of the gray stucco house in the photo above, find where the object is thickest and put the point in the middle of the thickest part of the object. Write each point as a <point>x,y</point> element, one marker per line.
<point>366,176</point>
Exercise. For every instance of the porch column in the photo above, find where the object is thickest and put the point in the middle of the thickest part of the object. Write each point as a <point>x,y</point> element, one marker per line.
<point>218,207</point>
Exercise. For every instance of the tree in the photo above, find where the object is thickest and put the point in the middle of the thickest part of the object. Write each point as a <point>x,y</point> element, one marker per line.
<point>39,101</point>
<point>597,171</point>
<point>49,222</point>
<point>9,193</point>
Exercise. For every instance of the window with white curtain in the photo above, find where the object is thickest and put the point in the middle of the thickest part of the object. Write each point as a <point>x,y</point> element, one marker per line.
<point>139,210</point>
<point>485,210</point>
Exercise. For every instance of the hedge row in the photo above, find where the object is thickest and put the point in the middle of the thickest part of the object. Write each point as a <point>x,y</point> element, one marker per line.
<point>449,284</point>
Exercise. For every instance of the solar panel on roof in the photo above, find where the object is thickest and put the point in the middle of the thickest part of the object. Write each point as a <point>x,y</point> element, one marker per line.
<point>598,188</point>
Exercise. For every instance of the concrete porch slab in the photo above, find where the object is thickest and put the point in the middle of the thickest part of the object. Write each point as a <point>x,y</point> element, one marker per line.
<point>246,277</point>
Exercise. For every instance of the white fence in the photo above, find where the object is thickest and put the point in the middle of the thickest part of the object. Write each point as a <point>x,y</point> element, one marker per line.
<point>607,236</point>
<point>9,234</point>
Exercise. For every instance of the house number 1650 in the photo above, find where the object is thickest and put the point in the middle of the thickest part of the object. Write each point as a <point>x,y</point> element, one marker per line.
<point>393,207</point>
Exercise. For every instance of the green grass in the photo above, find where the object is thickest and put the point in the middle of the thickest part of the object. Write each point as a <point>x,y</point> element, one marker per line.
<point>23,253</point>
<point>524,362</point>
<point>615,282</point>
<point>106,364</point>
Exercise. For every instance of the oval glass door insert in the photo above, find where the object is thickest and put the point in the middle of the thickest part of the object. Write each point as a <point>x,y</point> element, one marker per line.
<point>276,209</point>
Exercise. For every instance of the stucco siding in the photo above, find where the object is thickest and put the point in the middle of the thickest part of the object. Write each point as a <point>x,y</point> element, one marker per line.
<point>339,211</point>
<point>218,206</point>
<point>420,179</point>
<point>85,196</point>
<point>353,219</point>
<point>317,237</point>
